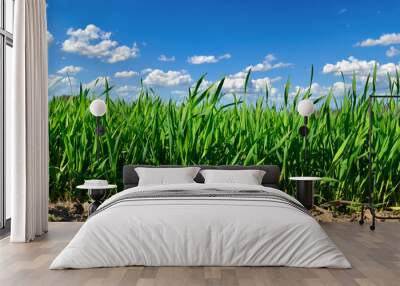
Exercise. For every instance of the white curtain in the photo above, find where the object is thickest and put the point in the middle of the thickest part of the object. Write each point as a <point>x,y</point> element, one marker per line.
<point>27,124</point>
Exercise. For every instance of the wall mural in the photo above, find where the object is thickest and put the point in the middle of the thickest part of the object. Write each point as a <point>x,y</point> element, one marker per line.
<point>182,104</point>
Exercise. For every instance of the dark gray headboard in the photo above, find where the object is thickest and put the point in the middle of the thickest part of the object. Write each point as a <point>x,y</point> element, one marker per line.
<point>271,178</point>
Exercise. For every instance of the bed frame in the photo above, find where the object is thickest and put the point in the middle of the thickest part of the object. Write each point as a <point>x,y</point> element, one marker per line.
<point>271,178</point>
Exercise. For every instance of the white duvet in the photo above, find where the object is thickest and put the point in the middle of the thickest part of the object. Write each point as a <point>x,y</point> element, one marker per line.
<point>200,231</point>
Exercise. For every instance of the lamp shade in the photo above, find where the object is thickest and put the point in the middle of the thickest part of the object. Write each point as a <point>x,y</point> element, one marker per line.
<point>305,107</point>
<point>98,107</point>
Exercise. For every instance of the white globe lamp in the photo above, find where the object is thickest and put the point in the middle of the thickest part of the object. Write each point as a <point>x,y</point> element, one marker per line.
<point>305,108</point>
<point>98,108</point>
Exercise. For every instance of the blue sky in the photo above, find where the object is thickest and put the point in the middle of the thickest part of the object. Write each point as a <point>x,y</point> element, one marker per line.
<point>170,44</point>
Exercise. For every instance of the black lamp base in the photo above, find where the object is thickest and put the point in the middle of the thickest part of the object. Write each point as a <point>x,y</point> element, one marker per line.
<point>305,193</point>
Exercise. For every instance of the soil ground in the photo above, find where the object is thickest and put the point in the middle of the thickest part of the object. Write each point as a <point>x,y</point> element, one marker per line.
<point>75,211</point>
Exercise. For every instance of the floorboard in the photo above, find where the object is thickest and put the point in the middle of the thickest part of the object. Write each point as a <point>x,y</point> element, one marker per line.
<point>375,257</point>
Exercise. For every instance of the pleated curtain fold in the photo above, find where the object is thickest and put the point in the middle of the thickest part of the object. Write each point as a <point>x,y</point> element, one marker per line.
<point>27,124</point>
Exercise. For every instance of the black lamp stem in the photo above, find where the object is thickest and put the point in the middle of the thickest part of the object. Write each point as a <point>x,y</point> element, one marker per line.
<point>370,173</point>
<point>98,138</point>
<point>305,144</point>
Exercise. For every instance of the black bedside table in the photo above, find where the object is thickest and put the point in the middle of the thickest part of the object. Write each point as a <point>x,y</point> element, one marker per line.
<point>305,190</point>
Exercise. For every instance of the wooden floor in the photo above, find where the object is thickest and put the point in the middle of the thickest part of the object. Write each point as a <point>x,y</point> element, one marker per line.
<point>375,257</point>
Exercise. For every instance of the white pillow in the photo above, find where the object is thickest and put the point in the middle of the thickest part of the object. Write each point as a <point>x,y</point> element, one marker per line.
<point>248,177</point>
<point>166,176</point>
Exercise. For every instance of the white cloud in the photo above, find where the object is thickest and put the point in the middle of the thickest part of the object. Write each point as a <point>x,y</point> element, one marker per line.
<point>95,43</point>
<point>71,70</point>
<point>146,71</point>
<point>125,74</point>
<point>123,53</point>
<point>360,67</point>
<point>389,68</point>
<point>66,85</point>
<point>267,64</point>
<point>392,52</point>
<point>338,89</point>
<point>274,91</point>
<point>198,60</point>
<point>342,11</point>
<point>126,90</point>
<point>349,66</point>
<point>53,80</point>
<point>261,83</point>
<point>56,80</point>
<point>164,58</point>
<point>50,38</point>
<point>169,78</point>
<point>97,83</point>
<point>225,57</point>
<point>383,40</point>
<point>179,92</point>
<point>317,89</point>
<point>70,81</point>
<point>204,85</point>
<point>235,83</point>
<point>62,85</point>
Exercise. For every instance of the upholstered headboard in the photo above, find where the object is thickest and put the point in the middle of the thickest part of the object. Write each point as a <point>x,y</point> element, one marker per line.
<point>271,178</point>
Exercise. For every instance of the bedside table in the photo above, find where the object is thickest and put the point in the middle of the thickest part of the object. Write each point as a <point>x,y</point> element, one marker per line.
<point>97,194</point>
<point>305,190</point>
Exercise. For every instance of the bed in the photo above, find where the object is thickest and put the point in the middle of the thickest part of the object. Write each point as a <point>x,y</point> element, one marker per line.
<point>198,224</point>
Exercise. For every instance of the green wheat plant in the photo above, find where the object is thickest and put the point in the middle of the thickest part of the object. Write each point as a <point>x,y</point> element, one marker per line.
<point>203,129</point>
